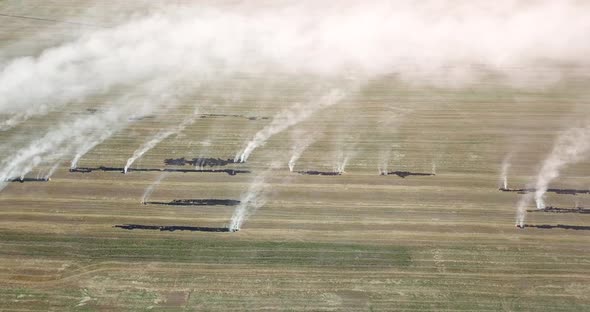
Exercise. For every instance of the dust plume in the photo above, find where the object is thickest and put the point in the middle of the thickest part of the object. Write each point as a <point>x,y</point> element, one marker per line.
<point>251,201</point>
<point>150,189</point>
<point>434,41</point>
<point>52,170</point>
<point>288,118</point>
<point>46,175</point>
<point>389,122</point>
<point>504,170</point>
<point>342,160</point>
<point>521,208</point>
<point>384,155</point>
<point>570,147</point>
<point>453,43</point>
<point>56,143</point>
<point>90,144</point>
<point>66,138</point>
<point>303,140</point>
<point>159,137</point>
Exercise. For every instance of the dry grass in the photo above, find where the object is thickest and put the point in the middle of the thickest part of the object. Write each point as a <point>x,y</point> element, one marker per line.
<point>356,242</point>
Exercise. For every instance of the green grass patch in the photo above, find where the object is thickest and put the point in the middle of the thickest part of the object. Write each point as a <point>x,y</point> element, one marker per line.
<point>203,249</point>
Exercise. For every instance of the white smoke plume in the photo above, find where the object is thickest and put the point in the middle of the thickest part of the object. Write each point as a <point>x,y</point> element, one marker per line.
<point>46,175</point>
<point>13,121</point>
<point>250,202</point>
<point>152,187</point>
<point>504,170</point>
<point>450,39</point>
<point>56,143</point>
<point>389,121</point>
<point>90,144</point>
<point>66,138</point>
<point>52,170</point>
<point>420,42</point>
<point>342,160</point>
<point>95,63</point>
<point>342,165</point>
<point>302,141</point>
<point>521,207</point>
<point>159,137</point>
<point>570,147</point>
<point>384,155</point>
<point>288,118</point>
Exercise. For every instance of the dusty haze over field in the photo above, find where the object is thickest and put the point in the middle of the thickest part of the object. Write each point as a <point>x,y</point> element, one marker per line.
<point>353,136</point>
<point>176,45</point>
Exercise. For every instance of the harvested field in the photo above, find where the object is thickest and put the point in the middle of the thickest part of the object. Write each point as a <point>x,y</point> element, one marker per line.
<point>333,235</point>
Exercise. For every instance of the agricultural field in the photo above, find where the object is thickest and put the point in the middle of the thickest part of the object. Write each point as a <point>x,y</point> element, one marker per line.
<point>356,241</point>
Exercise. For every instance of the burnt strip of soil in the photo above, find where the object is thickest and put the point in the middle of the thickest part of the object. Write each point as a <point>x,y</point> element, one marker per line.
<point>118,169</point>
<point>519,191</point>
<point>23,180</point>
<point>138,118</point>
<point>403,174</point>
<point>558,226</point>
<point>562,210</point>
<point>204,116</point>
<point>199,162</point>
<point>171,228</point>
<point>321,173</point>
<point>551,190</point>
<point>197,202</point>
